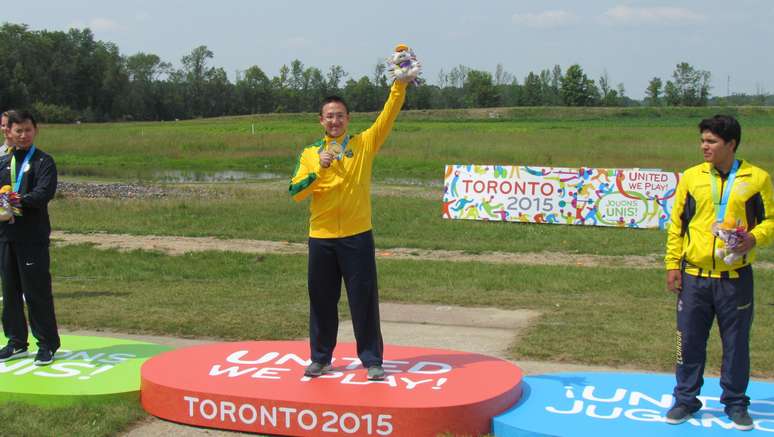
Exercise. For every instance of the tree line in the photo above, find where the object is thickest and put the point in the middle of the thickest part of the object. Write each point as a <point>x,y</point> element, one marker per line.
<point>69,76</point>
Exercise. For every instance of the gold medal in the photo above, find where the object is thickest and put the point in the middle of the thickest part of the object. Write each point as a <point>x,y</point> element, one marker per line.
<point>335,148</point>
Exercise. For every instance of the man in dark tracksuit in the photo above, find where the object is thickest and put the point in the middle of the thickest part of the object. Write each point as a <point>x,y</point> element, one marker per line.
<point>24,244</point>
<point>723,189</point>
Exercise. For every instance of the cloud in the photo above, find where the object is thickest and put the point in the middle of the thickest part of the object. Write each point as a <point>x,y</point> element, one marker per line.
<point>659,15</point>
<point>99,24</point>
<point>544,20</point>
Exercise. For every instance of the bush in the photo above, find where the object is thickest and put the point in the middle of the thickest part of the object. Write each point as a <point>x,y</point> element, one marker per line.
<point>49,113</point>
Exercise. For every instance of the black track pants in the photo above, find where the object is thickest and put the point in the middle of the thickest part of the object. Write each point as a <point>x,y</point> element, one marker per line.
<point>353,259</point>
<point>699,302</point>
<point>24,268</point>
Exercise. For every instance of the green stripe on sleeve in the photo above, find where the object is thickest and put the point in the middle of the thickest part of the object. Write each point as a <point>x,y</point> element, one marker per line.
<point>302,184</point>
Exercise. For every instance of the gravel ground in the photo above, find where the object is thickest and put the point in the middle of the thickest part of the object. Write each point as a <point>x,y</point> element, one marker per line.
<point>120,190</point>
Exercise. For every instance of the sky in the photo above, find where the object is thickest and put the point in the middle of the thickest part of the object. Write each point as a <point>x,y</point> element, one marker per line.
<point>630,41</point>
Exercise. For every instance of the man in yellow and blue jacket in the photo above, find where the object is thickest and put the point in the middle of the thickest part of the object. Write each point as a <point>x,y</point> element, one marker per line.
<point>722,189</point>
<point>336,173</point>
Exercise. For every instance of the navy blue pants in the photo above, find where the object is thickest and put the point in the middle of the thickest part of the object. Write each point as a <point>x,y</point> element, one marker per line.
<point>24,269</point>
<point>353,259</point>
<point>701,299</point>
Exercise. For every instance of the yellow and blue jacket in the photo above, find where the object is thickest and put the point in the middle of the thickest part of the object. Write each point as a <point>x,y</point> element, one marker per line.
<point>690,242</point>
<point>341,193</point>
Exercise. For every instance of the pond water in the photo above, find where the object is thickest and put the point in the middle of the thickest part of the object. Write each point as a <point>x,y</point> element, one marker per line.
<point>219,176</point>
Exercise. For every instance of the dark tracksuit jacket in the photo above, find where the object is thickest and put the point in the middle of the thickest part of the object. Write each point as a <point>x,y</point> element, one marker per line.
<point>24,254</point>
<point>710,287</point>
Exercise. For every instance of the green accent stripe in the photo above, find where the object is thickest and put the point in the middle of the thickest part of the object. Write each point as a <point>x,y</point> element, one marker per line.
<point>302,184</point>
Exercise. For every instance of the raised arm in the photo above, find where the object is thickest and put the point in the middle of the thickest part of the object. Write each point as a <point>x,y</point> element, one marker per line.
<point>374,136</point>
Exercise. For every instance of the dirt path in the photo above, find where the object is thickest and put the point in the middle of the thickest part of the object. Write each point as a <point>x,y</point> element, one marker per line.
<point>180,245</point>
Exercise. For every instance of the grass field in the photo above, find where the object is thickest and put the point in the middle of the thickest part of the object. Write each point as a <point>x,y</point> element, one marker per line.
<point>590,315</point>
<point>420,145</point>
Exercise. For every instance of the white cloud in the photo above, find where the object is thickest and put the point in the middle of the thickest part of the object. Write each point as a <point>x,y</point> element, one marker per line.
<point>99,24</point>
<point>544,20</point>
<point>669,15</point>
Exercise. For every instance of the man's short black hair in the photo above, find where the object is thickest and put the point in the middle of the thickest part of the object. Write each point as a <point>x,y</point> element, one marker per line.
<point>15,117</point>
<point>724,126</point>
<point>333,99</point>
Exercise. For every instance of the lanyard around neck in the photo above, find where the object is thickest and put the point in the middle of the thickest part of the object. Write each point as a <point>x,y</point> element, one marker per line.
<point>721,200</point>
<point>17,179</point>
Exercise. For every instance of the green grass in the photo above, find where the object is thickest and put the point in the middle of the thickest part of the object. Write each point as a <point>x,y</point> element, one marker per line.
<point>420,145</point>
<point>264,211</point>
<point>104,418</point>
<point>589,315</point>
<point>603,316</point>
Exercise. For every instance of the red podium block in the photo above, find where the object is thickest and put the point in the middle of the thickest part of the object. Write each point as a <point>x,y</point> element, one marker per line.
<point>260,387</point>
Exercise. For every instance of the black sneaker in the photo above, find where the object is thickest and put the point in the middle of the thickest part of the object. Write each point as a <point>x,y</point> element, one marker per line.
<point>678,414</point>
<point>741,418</point>
<point>376,373</point>
<point>316,369</point>
<point>44,357</point>
<point>11,352</point>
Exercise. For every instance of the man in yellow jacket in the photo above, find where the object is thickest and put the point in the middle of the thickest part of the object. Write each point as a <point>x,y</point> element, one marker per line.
<point>336,173</point>
<point>723,189</point>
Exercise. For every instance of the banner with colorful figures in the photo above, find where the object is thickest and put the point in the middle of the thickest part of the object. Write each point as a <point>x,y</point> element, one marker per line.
<point>633,198</point>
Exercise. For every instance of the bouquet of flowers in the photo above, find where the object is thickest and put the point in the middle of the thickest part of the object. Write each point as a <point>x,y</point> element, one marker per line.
<point>730,233</point>
<point>10,204</point>
<point>403,65</point>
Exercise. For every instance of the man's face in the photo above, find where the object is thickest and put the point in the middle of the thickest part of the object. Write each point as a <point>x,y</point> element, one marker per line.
<point>23,134</point>
<point>3,129</point>
<point>717,150</point>
<point>334,119</point>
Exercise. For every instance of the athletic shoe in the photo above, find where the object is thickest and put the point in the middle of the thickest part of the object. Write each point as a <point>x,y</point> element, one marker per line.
<point>376,373</point>
<point>741,418</point>
<point>44,357</point>
<point>316,369</point>
<point>678,414</point>
<point>11,352</point>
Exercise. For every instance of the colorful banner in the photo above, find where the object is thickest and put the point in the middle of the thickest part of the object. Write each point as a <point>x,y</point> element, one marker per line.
<point>632,198</point>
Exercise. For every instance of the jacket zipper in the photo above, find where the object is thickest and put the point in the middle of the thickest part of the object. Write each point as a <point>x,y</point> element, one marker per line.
<point>714,238</point>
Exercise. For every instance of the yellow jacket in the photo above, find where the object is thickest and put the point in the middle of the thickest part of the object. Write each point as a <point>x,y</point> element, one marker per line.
<point>690,237</point>
<point>341,193</point>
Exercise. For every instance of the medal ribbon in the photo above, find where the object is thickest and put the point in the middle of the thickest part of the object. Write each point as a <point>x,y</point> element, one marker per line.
<point>17,179</point>
<point>721,201</point>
